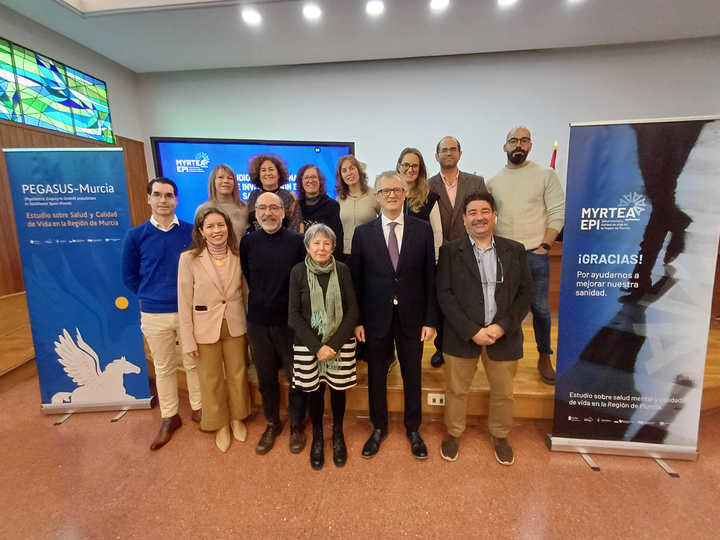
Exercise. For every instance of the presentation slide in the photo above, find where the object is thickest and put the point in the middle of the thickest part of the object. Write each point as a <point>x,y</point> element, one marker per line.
<point>188,163</point>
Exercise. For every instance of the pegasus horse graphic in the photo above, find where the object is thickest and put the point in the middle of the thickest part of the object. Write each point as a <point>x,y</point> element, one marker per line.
<point>82,365</point>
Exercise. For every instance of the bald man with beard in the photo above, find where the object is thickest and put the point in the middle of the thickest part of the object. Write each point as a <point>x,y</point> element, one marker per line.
<point>267,257</point>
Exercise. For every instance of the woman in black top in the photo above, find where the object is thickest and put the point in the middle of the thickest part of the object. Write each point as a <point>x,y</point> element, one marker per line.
<point>316,206</point>
<point>323,313</point>
<point>420,201</point>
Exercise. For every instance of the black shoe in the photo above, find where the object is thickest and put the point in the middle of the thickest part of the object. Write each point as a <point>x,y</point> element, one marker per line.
<point>297,437</point>
<point>373,443</point>
<point>417,445</point>
<point>267,440</point>
<point>450,447</point>
<point>339,448</point>
<point>317,450</point>
<point>437,360</point>
<point>503,451</point>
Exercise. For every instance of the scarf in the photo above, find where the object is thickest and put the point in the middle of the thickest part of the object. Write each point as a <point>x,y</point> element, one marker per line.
<point>327,312</point>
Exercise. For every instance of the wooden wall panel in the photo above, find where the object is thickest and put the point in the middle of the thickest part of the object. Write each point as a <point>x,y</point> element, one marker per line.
<point>14,135</point>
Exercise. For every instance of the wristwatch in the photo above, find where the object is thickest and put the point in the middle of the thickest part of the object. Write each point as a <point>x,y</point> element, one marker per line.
<point>545,246</point>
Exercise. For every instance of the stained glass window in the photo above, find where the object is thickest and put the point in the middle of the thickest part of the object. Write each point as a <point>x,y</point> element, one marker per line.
<point>38,91</point>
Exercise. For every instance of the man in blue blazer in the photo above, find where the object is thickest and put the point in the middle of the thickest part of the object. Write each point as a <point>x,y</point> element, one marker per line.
<point>393,265</point>
<point>485,291</point>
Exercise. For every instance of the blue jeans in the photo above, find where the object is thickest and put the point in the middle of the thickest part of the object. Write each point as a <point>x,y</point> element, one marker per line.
<point>540,272</point>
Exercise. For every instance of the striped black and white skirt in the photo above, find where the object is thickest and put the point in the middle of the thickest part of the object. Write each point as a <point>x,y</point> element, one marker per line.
<point>307,377</point>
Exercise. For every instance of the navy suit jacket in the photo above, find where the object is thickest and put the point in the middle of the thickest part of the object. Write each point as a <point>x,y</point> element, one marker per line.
<point>460,294</point>
<point>377,283</point>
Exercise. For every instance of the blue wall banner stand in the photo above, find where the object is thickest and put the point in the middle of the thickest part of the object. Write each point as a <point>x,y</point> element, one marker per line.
<point>639,256</point>
<point>71,213</point>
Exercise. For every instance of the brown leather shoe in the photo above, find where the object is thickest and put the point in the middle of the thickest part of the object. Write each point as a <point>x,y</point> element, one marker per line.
<point>267,440</point>
<point>169,426</point>
<point>297,437</point>
<point>196,415</point>
<point>545,367</point>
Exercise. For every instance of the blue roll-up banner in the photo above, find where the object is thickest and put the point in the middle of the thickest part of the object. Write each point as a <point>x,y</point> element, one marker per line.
<point>639,254</point>
<point>71,212</point>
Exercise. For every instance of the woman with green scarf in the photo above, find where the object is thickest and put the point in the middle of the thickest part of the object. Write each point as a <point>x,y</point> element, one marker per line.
<point>323,313</point>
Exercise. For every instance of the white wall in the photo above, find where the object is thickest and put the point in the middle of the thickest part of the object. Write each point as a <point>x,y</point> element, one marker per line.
<point>121,82</point>
<point>386,105</point>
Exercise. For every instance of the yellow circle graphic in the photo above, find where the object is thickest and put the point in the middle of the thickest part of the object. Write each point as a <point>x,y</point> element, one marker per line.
<point>121,302</point>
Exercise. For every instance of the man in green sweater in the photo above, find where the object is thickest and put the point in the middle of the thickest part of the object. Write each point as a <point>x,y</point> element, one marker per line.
<point>531,210</point>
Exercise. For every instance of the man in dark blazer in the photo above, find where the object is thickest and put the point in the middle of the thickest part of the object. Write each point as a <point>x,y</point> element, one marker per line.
<point>452,186</point>
<point>393,265</point>
<point>485,291</point>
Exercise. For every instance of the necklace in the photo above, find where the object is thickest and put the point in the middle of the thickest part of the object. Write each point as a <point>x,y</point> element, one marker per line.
<point>222,260</point>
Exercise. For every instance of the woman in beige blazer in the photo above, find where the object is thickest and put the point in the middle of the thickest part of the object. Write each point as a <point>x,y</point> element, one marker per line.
<point>213,326</point>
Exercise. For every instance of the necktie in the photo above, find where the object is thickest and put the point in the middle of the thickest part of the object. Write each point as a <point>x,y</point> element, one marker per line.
<point>393,246</point>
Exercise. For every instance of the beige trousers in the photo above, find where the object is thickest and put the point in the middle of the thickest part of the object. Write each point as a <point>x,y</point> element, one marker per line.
<point>222,369</point>
<point>459,373</point>
<point>161,332</point>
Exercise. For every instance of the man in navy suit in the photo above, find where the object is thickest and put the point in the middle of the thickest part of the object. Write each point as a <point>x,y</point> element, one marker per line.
<point>393,264</point>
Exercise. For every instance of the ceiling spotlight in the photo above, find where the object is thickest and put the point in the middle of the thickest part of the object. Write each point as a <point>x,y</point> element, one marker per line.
<point>439,5</point>
<point>251,16</point>
<point>311,11</point>
<point>506,3</point>
<point>374,7</point>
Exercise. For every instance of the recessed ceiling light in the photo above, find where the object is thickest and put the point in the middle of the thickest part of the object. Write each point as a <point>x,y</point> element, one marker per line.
<point>375,7</point>
<point>311,11</point>
<point>251,16</point>
<point>439,5</point>
<point>506,3</point>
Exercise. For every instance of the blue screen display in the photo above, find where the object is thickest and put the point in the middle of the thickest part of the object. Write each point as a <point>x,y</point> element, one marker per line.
<point>188,162</point>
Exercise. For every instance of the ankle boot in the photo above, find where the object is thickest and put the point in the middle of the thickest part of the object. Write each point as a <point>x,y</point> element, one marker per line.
<point>317,450</point>
<point>339,449</point>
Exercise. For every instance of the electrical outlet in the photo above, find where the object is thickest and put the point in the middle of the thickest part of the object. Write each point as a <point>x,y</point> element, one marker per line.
<point>436,399</point>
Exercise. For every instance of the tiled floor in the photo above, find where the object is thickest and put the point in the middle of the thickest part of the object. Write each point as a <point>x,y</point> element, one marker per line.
<point>90,478</point>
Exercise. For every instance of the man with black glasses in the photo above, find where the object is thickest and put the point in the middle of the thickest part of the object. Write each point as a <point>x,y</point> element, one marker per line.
<point>531,206</point>
<point>452,186</point>
<point>393,267</point>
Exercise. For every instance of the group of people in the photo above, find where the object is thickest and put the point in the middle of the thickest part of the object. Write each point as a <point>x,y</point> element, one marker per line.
<point>317,280</point>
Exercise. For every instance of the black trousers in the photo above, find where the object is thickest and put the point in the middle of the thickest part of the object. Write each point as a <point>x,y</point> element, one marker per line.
<point>316,406</point>
<point>379,355</point>
<point>271,349</point>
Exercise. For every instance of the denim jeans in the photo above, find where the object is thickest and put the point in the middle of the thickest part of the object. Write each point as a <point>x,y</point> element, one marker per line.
<point>540,272</point>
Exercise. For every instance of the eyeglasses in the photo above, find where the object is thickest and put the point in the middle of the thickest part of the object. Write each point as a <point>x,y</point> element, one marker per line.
<point>387,191</point>
<point>406,166</point>
<point>270,207</point>
<point>514,141</point>
<point>499,273</point>
<point>311,177</point>
<point>452,149</point>
<point>166,196</point>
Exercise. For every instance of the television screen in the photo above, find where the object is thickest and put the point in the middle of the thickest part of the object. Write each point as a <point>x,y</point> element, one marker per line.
<point>188,163</point>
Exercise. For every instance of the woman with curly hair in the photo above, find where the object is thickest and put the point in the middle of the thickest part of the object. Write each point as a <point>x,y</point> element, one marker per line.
<point>224,193</point>
<point>269,174</point>
<point>420,202</point>
<point>358,204</point>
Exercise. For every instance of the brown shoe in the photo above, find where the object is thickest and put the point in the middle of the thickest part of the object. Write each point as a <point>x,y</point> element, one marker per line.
<point>545,367</point>
<point>267,440</point>
<point>169,426</point>
<point>196,416</point>
<point>297,437</point>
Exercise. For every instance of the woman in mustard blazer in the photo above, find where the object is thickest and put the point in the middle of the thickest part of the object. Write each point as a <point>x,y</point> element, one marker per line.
<point>213,326</point>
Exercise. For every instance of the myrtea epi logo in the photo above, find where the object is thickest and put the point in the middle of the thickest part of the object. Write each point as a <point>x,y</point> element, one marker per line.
<point>614,218</point>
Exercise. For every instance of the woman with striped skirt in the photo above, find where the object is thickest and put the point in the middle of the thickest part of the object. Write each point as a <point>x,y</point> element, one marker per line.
<point>323,313</point>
